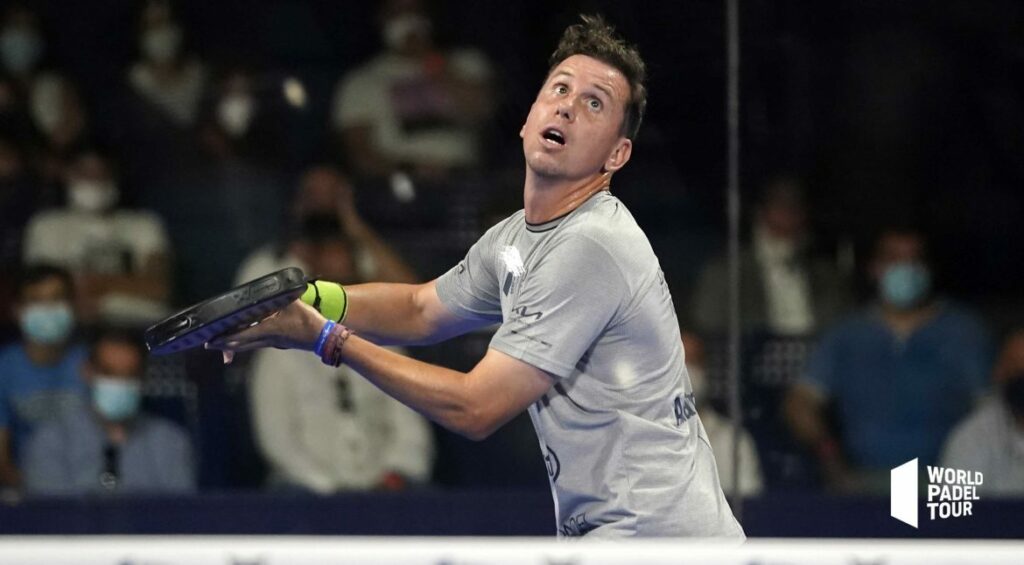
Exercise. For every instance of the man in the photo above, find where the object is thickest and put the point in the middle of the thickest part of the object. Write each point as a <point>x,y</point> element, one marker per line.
<point>39,375</point>
<point>901,373</point>
<point>120,257</point>
<point>414,107</point>
<point>991,438</point>
<point>785,290</point>
<point>326,429</point>
<point>108,445</point>
<point>588,342</point>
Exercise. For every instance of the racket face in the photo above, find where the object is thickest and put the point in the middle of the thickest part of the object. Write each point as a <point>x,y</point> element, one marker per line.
<point>224,313</point>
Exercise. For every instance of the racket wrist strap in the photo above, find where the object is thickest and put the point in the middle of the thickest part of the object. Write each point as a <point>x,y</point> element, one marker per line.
<point>330,299</point>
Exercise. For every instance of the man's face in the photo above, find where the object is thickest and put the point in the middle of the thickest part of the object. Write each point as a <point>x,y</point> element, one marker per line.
<point>117,360</point>
<point>574,129</point>
<point>334,262</point>
<point>897,248</point>
<point>48,291</point>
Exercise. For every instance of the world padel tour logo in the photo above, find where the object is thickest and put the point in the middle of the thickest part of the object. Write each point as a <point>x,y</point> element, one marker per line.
<point>951,492</point>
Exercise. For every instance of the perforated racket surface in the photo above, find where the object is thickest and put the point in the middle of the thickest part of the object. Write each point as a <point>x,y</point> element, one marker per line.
<point>224,313</point>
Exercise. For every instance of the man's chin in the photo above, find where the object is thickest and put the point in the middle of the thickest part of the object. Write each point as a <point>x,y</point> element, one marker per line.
<point>544,166</point>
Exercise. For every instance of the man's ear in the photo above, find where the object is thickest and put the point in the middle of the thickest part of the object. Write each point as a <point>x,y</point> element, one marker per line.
<point>522,130</point>
<point>619,155</point>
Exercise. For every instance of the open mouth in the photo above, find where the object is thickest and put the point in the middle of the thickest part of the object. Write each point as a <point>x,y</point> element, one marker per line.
<point>554,136</point>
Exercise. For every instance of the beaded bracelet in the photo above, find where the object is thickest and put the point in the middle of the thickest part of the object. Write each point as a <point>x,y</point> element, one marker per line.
<point>331,351</point>
<point>320,341</point>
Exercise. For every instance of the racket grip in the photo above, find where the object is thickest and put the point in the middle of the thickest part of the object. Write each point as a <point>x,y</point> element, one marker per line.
<point>328,298</point>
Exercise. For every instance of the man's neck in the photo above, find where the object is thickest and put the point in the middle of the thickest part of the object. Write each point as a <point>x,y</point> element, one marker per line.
<point>545,199</point>
<point>904,322</point>
<point>41,354</point>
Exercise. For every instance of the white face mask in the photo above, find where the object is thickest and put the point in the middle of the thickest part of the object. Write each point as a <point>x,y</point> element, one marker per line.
<point>92,196</point>
<point>161,44</point>
<point>699,381</point>
<point>397,29</point>
<point>234,113</point>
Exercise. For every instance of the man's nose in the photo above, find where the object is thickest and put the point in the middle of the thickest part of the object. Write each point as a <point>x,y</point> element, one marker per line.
<point>565,110</point>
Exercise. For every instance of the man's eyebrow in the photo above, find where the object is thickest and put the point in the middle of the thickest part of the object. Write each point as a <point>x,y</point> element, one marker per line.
<point>605,90</point>
<point>566,73</point>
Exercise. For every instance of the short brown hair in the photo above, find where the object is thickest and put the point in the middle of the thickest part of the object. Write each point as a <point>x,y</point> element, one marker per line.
<point>595,38</point>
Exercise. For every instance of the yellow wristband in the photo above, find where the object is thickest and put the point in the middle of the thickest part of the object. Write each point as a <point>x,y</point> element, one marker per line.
<point>328,298</point>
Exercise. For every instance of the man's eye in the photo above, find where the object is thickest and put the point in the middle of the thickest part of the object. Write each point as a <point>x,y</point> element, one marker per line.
<point>594,104</point>
<point>561,89</point>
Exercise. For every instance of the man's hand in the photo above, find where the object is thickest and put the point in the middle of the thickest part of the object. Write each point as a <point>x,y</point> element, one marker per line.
<point>295,326</point>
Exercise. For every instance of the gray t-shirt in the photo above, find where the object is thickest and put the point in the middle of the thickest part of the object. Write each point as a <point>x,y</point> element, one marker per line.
<point>583,298</point>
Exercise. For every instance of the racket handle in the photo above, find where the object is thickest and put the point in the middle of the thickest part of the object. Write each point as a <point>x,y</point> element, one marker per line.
<point>328,298</point>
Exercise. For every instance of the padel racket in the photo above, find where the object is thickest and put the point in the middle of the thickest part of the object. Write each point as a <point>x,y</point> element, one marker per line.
<point>226,312</point>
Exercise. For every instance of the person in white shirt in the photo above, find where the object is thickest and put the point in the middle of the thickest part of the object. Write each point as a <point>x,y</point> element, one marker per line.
<point>413,107</point>
<point>991,438</point>
<point>326,429</point>
<point>784,290</point>
<point>120,258</point>
<point>173,84</point>
<point>722,430</point>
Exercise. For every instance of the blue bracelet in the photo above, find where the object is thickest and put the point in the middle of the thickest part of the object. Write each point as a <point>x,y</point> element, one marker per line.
<point>320,341</point>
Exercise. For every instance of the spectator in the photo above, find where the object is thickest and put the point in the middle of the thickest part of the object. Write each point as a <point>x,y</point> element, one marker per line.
<point>325,201</point>
<point>22,48</point>
<point>901,373</point>
<point>108,445</point>
<point>170,82</point>
<point>414,107</point>
<point>784,290</point>
<point>62,122</point>
<point>120,257</point>
<point>39,375</point>
<point>991,439</point>
<point>326,429</point>
<point>720,429</point>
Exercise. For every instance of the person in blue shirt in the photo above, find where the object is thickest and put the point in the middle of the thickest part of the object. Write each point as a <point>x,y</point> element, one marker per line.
<point>39,374</point>
<point>899,374</point>
<point>109,446</point>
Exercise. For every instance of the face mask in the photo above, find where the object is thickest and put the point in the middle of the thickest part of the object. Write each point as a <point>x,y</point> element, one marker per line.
<point>20,49</point>
<point>47,324</point>
<point>699,381</point>
<point>397,29</point>
<point>92,196</point>
<point>116,399</point>
<point>161,44</point>
<point>234,113</point>
<point>905,284</point>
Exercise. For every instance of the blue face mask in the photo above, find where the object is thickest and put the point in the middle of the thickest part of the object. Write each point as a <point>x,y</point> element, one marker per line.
<point>905,284</point>
<point>116,399</point>
<point>47,324</point>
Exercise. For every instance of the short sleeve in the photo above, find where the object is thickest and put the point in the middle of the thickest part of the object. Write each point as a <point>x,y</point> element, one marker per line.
<point>354,101</point>
<point>148,236</point>
<point>470,289</point>
<point>471,64</point>
<point>820,373</point>
<point>565,303</point>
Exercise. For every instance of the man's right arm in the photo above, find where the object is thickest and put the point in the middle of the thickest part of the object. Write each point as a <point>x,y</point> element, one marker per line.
<point>403,314</point>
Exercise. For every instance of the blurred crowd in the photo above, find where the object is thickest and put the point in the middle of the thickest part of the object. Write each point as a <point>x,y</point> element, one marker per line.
<point>858,361</point>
